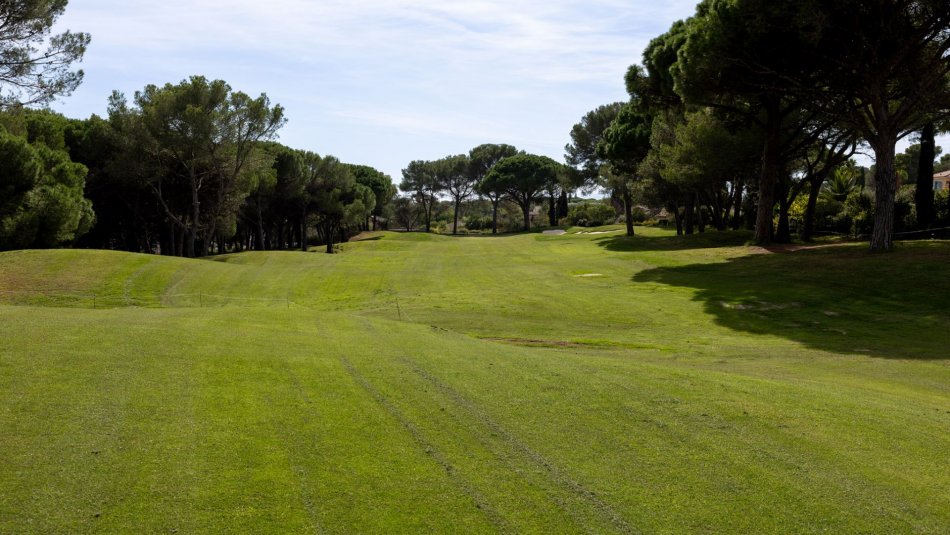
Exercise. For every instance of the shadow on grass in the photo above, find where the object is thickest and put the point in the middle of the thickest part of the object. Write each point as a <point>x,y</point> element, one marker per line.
<point>706,240</point>
<point>840,299</point>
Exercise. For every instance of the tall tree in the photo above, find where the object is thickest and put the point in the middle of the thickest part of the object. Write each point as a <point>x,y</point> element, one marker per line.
<point>924,194</point>
<point>885,71</point>
<point>35,65</point>
<point>332,193</point>
<point>419,179</point>
<point>200,139</point>
<point>711,160</point>
<point>523,177</point>
<point>481,159</point>
<point>380,183</point>
<point>736,56</point>
<point>625,145</point>
<point>581,153</point>
<point>454,177</point>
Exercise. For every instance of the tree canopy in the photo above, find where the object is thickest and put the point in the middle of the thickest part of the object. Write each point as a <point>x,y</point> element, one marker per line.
<point>35,66</point>
<point>522,177</point>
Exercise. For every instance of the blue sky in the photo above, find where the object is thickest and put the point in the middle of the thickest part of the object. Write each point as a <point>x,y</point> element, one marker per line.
<point>381,82</point>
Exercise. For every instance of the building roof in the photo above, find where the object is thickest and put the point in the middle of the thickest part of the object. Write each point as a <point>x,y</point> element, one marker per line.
<point>942,174</point>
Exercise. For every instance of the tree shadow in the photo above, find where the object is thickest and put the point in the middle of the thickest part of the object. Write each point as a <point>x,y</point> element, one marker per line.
<point>706,240</point>
<point>839,299</point>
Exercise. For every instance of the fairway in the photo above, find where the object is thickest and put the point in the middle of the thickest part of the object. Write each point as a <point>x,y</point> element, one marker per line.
<point>525,383</point>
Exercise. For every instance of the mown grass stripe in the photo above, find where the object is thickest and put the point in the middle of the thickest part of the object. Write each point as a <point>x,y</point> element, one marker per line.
<point>478,500</point>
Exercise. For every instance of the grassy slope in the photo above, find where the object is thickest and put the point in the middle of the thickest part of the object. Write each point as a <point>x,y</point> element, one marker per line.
<point>694,384</point>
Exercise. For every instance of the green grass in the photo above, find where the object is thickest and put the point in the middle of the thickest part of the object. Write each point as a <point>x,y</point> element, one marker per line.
<point>527,383</point>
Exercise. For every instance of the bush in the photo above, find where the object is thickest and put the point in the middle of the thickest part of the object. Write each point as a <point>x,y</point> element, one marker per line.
<point>942,207</point>
<point>591,214</point>
<point>474,222</point>
<point>639,214</point>
<point>859,212</point>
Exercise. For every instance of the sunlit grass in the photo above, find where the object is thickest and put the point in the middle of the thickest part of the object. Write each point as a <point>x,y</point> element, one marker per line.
<point>418,383</point>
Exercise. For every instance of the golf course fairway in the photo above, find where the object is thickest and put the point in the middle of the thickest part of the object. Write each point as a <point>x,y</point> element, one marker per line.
<point>528,383</point>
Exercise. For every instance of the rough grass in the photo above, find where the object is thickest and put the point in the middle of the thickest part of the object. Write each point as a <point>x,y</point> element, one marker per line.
<point>419,383</point>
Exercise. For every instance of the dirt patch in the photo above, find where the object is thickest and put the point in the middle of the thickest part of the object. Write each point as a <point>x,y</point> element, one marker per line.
<point>367,235</point>
<point>558,232</point>
<point>536,343</point>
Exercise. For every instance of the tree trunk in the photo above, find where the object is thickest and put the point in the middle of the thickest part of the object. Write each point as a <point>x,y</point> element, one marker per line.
<point>737,208</point>
<point>427,209</point>
<point>259,235</point>
<point>455,219</point>
<point>562,206</point>
<point>172,247</point>
<point>526,208</point>
<point>329,231</point>
<point>808,226</point>
<point>699,214</point>
<point>303,233</point>
<point>783,233</point>
<point>677,218</point>
<point>552,210</point>
<point>688,214</point>
<point>628,211</point>
<point>885,191</point>
<point>771,172</point>
<point>180,242</point>
<point>190,239</point>
<point>494,215</point>
<point>924,197</point>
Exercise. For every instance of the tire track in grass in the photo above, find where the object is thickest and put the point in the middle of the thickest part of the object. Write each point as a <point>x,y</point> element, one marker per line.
<point>482,504</point>
<point>299,471</point>
<point>556,474</point>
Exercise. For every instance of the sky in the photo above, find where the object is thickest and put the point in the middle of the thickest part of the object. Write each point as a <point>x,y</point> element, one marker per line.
<point>381,82</point>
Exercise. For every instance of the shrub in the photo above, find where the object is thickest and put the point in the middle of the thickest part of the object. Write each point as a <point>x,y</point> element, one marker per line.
<point>639,214</point>
<point>474,222</point>
<point>591,214</point>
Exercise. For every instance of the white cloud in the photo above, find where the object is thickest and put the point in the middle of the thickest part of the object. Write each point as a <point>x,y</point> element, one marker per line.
<point>470,70</point>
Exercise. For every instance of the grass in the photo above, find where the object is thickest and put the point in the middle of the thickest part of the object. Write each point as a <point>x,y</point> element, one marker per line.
<point>528,383</point>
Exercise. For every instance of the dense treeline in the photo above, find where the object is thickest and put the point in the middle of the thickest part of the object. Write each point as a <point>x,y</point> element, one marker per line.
<point>748,113</point>
<point>186,170</point>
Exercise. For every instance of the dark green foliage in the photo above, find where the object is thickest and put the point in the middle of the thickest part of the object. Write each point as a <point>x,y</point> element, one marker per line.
<point>523,178</point>
<point>380,183</point>
<point>624,145</point>
<point>455,177</point>
<point>196,146</point>
<point>581,154</point>
<point>885,72</point>
<point>591,214</point>
<point>41,196</point>
<point>420,180</point>
<point>482,158</point>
